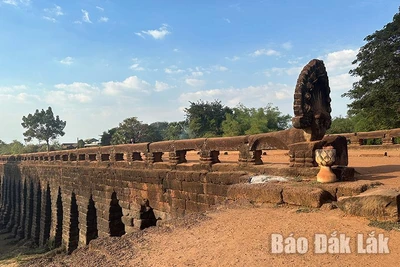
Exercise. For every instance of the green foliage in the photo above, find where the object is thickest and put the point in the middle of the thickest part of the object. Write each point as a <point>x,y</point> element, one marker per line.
<point>176,131</point>
<point>350,124</point>
<point>81,143</point>
<point>43,126</point>
<point>388,226</point>
<point>107,136</point>
<point>16,147</point>
<point>376,96</point>
<point>205,118</point>
<point>245,120</point>
<point>157,131</point>
<point>131,130</point>
<point>341,125</point>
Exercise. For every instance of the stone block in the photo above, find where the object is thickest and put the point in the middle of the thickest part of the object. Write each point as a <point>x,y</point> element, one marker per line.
<point>193,187</point>
<point>177,203</point>
<point>127,220</point>
<point>214,189</point>
<point>192,206</point>
<point>305,196</point>
<point>226,143</point>
<point>257,193</point>
<point>354,188</point>
<point>375,204</point>
<point>224,178</point>
<point>192,144</point>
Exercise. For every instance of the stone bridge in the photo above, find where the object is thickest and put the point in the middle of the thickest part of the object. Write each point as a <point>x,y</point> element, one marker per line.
<point>70,197</point>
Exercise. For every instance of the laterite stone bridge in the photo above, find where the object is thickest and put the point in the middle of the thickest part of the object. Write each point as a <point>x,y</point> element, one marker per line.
<point>70,197</point>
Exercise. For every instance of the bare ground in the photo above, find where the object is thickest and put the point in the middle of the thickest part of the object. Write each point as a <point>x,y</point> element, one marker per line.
<point>239,234</point>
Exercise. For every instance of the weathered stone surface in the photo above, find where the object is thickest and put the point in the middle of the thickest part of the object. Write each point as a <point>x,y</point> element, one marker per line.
<point>375,204</point>
<point>257,193</point>
<point>305,196</point>
<point>354,188</point>
<point>312,104</point>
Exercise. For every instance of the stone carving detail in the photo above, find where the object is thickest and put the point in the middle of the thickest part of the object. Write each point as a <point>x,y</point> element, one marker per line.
<point>311,105</point>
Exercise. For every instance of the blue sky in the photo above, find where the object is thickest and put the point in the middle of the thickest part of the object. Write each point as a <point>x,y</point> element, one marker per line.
<point>97,62</point>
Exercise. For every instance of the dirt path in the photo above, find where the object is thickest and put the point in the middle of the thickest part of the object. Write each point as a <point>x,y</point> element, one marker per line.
<point>242,236</point>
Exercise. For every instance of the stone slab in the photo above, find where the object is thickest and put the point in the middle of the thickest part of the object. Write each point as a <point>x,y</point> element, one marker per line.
<point>256,193</point>
<point>375,204</point>
<point>305,196</point>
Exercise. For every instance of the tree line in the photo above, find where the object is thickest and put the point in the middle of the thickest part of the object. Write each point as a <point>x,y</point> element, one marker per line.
<point>203,119</point>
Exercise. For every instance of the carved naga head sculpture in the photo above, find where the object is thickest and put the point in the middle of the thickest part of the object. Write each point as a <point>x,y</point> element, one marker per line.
<point>312,104</point>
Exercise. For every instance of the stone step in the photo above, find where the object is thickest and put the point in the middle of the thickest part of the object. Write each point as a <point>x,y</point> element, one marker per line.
<point>376,204</point>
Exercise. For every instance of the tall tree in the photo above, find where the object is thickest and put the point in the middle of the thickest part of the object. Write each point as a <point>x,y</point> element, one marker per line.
<point>377,94</point>
<point>105,139</point>
<point>131,130</point>
<point>205,118</point>
<point>176,130</point>
<point>157,131</point>
<point>43,126</point>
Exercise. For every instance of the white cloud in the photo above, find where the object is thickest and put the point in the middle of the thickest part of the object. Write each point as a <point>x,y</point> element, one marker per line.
<point>283,71</point>
<point>157,34</point>
<point>265,52</point>
<point>341,82</point>
<point>173,70</point>
<point>100,8</point>
<point>139,34</point>
<point>262,94</point>
<point>77,87</point>
<point>227,20</point>
<point>11,2</point>
<point>52,13</point>
<point>85,16</point>
<point>67,61</point>
<point>195,82</point>
<point>103,19</point>
<point>136,65</point>
<point>21,97</point>
<point>55,11</point>
<point>197,73</point>
<point>132,83</point>
<point>287,45</point>
<point>8,89</point>
<point>176,50</point>
<point>234,58</point>
<point>340,60</point>
<point>59,97</point>
<point>219,68</point>
<point>50,19</point>
<point>76,92</point>
<point>17,2</point>
<point>161,86</point>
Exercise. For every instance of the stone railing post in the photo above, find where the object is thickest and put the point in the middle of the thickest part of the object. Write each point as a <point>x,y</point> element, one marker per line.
<point>177,157</point>
<point>209,157</point>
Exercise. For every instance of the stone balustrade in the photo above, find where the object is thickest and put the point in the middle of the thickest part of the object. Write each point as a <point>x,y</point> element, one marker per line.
<point>358,138</point>
<point>249,148</point>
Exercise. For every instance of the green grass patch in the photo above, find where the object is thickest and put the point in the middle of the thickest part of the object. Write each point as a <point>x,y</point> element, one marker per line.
<point>388,226</point>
